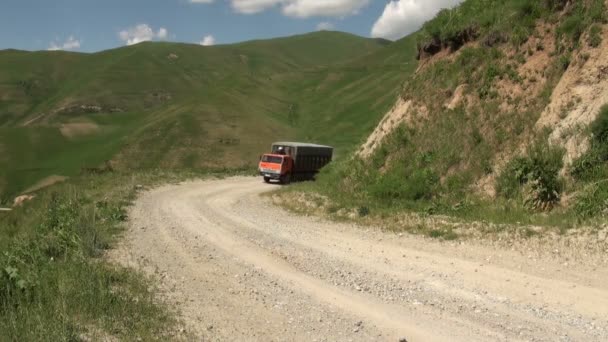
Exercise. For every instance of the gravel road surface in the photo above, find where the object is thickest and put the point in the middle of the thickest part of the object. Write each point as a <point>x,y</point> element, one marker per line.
<point>238,268</point>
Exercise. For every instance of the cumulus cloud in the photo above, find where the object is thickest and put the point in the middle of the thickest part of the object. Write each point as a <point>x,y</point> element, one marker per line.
<point>69,44</point>
<point>141,33</point>
<point>325,26</point>
<point>208,41</point>
<point>328,8</point>
<point>402,17</point>
<point>253,6</point>
<point>302,8</point>
<point>162,33</point>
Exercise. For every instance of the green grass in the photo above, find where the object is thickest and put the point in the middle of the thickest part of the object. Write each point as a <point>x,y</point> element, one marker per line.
<point>590,172</point>
<point>595,36</point>
<point>536,175</point>
<point>39,151</point>
<point>55,282</point>
<point>217,106</point>
<point>54,285</point>
<point>514,21</point>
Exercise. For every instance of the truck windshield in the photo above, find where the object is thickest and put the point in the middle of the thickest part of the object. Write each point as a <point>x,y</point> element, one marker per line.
<point>272,159</point>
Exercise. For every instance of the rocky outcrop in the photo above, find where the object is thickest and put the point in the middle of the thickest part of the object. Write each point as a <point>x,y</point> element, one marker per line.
<point>577,100</point>
<point>403,111</point>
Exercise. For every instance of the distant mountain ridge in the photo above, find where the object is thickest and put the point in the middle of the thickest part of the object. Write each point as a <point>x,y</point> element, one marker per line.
<point>176,105</point>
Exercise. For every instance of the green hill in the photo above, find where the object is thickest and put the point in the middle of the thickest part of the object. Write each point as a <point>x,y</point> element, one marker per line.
<point>503,120</point>
<point>187,106</point>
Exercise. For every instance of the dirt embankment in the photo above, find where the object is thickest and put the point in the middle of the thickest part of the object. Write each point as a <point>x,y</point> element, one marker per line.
<point>239,268</point>
<point>574,104</point>
<point>403,111</point>
<point>577,100</point>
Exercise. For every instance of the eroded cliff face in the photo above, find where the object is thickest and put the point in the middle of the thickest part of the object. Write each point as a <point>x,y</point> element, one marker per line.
<point>577,99</point>
<point>531,96</point>
<point>401,112</point>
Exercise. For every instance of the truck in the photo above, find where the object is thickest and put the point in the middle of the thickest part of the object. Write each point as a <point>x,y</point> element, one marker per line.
<point>289,161</point>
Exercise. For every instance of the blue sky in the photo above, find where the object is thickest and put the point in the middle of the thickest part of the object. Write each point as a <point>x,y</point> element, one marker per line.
<point>94,25</point>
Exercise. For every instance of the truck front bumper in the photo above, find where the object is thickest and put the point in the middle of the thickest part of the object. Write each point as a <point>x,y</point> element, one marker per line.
<point>270,175</point>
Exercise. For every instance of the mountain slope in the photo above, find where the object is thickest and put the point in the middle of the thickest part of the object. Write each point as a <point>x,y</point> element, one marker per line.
<point>495,121</point>
<point>179,105</point>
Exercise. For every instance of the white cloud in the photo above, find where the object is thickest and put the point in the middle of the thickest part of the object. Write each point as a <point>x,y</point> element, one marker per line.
<point>326,8</point>
<point>325,26</point>
<point>162,33</point>
<point>253,6</point>
<point>402,17</point>
<point>201,1</point>
<point>302,8</point>
<point>70,44</point>
<point>208,40</point>
<point>141,33</point>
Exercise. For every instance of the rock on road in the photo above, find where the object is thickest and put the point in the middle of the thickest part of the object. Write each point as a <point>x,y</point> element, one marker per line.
<point>239,269</point>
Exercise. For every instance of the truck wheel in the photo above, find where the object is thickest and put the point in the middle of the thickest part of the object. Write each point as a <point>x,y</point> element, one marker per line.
<point>286,179</point>
<point>267,179</point>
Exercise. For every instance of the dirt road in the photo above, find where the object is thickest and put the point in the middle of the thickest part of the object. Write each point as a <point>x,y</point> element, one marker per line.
<point>239,269</point>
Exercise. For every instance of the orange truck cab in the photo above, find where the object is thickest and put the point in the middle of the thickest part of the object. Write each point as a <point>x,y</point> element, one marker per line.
<point>294,161</point>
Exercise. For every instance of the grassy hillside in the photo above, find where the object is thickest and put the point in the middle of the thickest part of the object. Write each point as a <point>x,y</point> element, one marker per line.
<point>476,141</point>
<point>186,106</point>
<point>56,283</point>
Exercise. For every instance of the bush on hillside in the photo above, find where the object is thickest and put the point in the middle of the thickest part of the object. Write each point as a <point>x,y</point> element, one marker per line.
<point>593,164</point>
<point>513,177</point>
<point>401,184</point>
<point>411,180</point>
<point>595,36</point>
<point>574,25</point>
<point>534,176</point>
<point>597,11</point>
<point>346,178</point>
<point>593,200</point>
<point>599,128</point>
<point>580,16</point>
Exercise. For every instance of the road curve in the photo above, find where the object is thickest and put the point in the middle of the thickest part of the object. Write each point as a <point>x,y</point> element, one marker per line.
<point>238,268</point>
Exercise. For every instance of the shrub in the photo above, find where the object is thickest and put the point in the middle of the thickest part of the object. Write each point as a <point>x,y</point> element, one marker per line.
<point>346,178</point>
<point>520,35</point>
<point>564,61</point>
<point>595,36</point>
<point>513,177</point>
<point>405,185</point>
<point>599,128</point>
<point>597,11</point>
<point>587,167</point>
<point>592,165</point>
<point>573,26</point>
<point>581,16</point>
<point>363,211</point>
<point>593,201</point>
<point>537,174</point>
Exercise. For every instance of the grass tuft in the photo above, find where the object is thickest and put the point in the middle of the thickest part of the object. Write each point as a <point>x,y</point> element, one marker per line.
<point>534,176</point>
